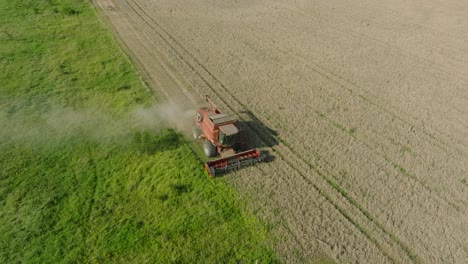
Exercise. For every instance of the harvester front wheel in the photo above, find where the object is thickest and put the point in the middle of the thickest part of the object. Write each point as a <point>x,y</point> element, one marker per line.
<point>196,132</point>
<point>209,149</point>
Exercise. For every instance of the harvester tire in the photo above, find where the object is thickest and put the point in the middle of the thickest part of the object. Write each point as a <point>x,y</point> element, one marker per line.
<point>209,149</point>
<point>196,132</point>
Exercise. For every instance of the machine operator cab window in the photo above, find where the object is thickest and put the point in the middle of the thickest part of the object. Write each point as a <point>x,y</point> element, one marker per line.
<point>226,140</point>
<point>227,135</point>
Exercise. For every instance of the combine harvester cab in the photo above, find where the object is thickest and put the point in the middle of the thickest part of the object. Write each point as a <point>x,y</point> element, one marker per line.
<point>222,138</point>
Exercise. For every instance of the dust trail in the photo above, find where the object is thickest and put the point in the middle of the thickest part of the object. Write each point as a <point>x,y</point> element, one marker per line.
<point>166,115</point>
<point>93,124</point>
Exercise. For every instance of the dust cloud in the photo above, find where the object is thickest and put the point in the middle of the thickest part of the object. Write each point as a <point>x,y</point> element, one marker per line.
<point>164,115</point>
<point>93,124</point>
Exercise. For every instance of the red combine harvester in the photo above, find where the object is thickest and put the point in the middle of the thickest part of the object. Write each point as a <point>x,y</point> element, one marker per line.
<point>222,138</point>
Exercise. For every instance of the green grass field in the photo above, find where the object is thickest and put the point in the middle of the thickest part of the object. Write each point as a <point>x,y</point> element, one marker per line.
<point>79,182</point>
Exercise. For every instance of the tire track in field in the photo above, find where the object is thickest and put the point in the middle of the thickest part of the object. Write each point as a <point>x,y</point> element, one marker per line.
<point>242,106</point>
<point>232,87</point>
<point>447,7</point>
<point>342,83</point>
<point>435,135</point>
<point>325,73</point>
<point>88,210</point>
<point>411,177</point>
<point>430,134</point>
<point>166,81</point>
<point>346,30</point>
<point>406,173</point>
<point>369,146</point>
<point>441,146</point>
<point>391,12</point>
<point>123,25</point>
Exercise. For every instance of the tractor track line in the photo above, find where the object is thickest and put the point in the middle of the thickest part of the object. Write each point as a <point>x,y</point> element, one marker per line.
<point>147,78</point>
<point>441,147</point>
<point>333,185</point>
<point>437,142</point>
<point>282,220</point>
<point>342,211</point>
<point>345,84</point>
<point>259,132</point>
<point>402,171</point>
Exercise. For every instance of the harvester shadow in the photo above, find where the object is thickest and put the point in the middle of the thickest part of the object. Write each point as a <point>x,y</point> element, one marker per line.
<point>258,135</point>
